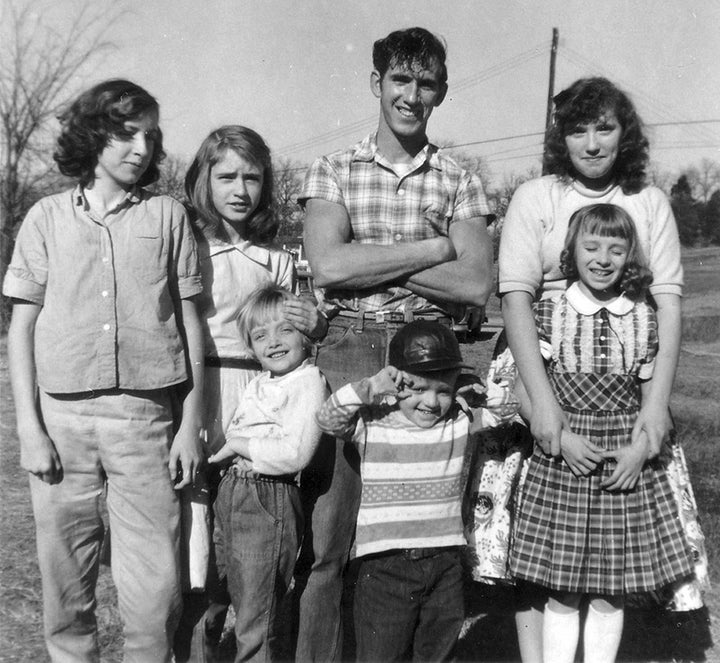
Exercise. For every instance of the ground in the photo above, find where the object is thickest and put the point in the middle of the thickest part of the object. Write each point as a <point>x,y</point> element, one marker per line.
<point>489,634</point>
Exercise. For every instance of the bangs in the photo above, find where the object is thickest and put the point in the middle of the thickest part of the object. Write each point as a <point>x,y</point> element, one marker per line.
<point>225,147</point>
<point>262,312</point>
<point>606,226</point>
<point>585,112</point>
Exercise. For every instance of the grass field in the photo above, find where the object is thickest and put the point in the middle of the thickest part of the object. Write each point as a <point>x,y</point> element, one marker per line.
<point>490,636</point>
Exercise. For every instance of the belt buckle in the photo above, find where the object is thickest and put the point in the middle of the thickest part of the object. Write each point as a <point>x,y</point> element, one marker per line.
<point>380,317</point>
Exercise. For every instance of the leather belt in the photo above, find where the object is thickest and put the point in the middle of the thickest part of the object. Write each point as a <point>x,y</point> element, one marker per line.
<point>381,317</point>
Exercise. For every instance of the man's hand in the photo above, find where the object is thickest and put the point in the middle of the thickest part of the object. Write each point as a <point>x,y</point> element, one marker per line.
<point>186,455</point>
<point>39,457</point>
<point>581,455</point>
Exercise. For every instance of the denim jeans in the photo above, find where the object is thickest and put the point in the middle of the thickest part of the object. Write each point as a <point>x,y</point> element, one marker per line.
<point>117,441</point>
<point>331,494</point>
<point>408,606</point>
<point>258,528</point>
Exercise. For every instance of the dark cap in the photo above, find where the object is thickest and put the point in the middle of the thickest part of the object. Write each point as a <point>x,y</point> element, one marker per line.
<point>424,346</point>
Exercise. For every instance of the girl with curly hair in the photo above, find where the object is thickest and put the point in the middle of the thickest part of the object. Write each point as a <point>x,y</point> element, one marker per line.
<point>104,332</point>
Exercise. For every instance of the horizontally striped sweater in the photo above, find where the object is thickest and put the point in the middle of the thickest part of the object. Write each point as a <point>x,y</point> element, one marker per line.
<point>412,478</point>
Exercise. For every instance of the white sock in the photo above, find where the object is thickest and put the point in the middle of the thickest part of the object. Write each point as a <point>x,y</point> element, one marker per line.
<point>529,625</point>
<point>602,634</point>
<point>560,634</point>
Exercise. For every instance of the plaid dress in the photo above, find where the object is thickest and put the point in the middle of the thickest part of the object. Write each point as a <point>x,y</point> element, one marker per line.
<point>571,534</point>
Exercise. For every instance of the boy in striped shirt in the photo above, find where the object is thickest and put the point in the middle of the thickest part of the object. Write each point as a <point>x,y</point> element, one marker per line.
<point>411,434</point>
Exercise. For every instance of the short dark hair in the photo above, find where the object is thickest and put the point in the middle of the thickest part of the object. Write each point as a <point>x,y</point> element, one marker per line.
<point>409,47</point>
<point>93,119</point>
<point>586,101</point>
<point>608,221</point>
<point>262,226</point>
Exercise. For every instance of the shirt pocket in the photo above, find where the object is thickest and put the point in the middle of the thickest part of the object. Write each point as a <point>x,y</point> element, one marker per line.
<point>151,258</point>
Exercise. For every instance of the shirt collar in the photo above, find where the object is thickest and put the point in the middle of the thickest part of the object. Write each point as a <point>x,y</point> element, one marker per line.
<point>132,197</point>
<point>258,254</point>
<point>586,306</point>
<point>367,150</point>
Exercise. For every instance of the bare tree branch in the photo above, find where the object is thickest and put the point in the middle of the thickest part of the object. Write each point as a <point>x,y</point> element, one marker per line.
<point>38,66</point>
<point>287,184</point>
<point>704,179</point>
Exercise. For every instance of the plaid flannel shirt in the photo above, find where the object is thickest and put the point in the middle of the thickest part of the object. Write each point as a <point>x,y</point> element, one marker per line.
<point>386,207</point>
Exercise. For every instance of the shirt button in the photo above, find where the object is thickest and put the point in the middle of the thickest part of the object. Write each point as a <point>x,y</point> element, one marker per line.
<point>602,338</point>
<point>398,236</point>
<point>602,356</point>
<point>401,192</point>
<point>106,327</point>
<point>105,259</point>
<point>104,293</point>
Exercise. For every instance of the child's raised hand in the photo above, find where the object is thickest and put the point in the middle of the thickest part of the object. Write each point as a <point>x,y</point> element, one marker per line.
<point>386,382</point>
<point>304,316</point>
<point>630,462</point>
<point>472,389</point>
<point>581,455</point>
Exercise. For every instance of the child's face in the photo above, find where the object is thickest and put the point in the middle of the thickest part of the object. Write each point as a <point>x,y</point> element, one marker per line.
<point>125,158</point>
<point>278,346</point>
<point>236,187</point>
<point>600,264</point>
<point>426,399</point>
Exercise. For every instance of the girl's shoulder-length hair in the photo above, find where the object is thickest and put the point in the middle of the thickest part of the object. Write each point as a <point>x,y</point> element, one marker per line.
<point>608,220</point>
<point>586,101</point>
<point>262,226</point>
<point>97,116</point>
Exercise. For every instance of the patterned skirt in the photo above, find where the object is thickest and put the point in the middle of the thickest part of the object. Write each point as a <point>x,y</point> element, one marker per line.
<point>574,536</point>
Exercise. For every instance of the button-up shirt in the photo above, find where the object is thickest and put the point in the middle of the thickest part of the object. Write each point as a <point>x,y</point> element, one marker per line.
<point>387,205</point>
<point>110,290</point>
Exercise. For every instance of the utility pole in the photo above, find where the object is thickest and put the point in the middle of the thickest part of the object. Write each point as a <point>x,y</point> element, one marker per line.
<point>551,83</point>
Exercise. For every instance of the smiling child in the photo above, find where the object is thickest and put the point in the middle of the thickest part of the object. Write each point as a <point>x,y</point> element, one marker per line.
<point>411,434</point>
<point>273,435</point>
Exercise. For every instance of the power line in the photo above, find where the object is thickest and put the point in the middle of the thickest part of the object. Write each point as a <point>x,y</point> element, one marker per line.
<point>536,134</point>
<point>463,84</point>
<point>657,105</point>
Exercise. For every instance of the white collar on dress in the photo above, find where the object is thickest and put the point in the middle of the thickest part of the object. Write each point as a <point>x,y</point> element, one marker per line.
<point>586,306</point>
<point>258,254</point>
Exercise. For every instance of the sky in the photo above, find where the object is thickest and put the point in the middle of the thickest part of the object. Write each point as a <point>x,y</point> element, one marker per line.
<point>298,71</point>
